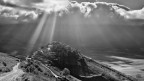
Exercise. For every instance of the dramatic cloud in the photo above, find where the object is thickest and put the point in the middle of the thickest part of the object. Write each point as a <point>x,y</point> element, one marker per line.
<point>121,10</point>
<point>16,13</point>
<point>65,6</point>
<point>133,14</point>
<point>87,7</point>
<point>52,5</point>
<point>22,2</point>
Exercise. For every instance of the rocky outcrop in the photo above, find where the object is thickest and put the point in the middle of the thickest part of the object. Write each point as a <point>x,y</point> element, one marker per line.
<point>59,62</point>
<point>63,56</point>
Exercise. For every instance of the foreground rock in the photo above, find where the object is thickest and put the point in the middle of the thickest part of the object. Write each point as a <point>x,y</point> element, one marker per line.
<point>58,62</point>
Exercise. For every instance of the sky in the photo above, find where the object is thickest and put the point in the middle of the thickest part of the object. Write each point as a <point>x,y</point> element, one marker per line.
<point>105,24</point>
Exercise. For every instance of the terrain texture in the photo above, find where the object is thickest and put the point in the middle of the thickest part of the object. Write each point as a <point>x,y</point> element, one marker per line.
<point>57,62</point>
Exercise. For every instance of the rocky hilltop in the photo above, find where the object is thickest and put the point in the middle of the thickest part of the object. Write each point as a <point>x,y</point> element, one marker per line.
<point>57,62</point>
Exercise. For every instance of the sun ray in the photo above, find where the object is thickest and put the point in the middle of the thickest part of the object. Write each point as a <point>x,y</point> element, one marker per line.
<point>37,33</point>
<point>52,5</point>
<point>53,27</point>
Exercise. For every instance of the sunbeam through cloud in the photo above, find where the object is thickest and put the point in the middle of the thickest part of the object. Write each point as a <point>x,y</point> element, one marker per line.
<point>38,31</point>
<point>66,6</point>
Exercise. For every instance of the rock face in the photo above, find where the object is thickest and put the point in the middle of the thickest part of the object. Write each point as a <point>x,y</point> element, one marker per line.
<point>59,62</point>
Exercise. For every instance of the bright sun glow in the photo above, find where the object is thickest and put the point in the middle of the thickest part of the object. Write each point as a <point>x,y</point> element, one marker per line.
<point>48,6</point>
<point>52,5</point>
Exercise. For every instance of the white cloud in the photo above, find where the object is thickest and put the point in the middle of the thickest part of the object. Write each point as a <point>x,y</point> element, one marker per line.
<point>52,5</point>
<point>17,14</point>
<point>64,6</point>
